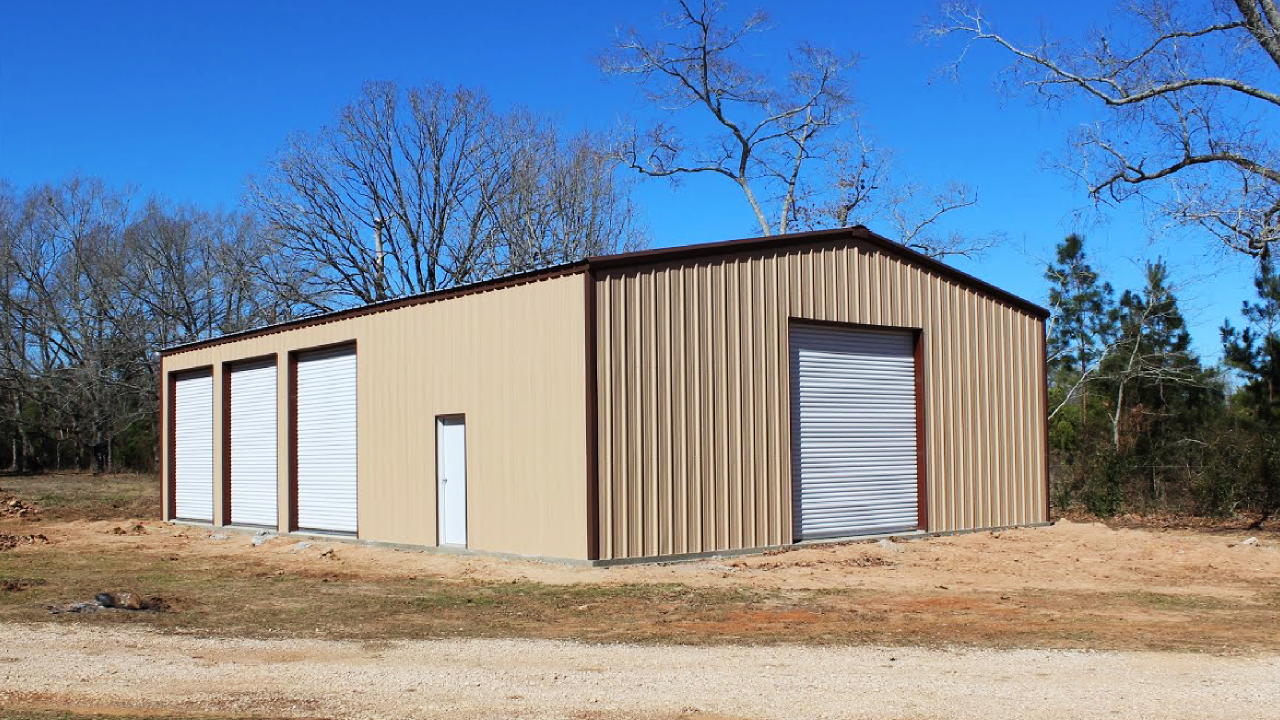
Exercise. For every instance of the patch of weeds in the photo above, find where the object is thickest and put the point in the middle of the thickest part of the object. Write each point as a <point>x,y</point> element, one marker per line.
<point>16,584</point>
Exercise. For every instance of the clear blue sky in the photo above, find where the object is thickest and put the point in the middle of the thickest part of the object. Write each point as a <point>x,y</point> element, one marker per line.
<point>187,99</point>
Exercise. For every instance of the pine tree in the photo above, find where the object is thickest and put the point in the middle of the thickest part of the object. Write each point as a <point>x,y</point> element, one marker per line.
<point>1084,320</point>
<point>1255,351</point>
<point>1152,375</point>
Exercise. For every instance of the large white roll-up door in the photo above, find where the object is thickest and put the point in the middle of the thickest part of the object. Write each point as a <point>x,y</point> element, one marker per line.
<point>193,447</point>
<point>326,441</point>
<point>254,485</point>
<point>853,419</point>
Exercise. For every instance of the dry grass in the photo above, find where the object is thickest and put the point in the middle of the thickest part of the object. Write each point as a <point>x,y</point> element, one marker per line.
<point>1157,591</point>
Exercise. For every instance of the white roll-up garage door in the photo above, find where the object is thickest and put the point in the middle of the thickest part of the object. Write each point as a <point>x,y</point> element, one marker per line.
<point>254,486</point>
<point>326,441</point>
<point>853,419</point>
<point>193,447</point>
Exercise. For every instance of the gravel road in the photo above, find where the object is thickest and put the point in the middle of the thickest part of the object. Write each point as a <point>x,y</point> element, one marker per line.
<point>112,669</point>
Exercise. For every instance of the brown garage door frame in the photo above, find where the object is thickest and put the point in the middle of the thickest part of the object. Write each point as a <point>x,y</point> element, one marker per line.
<point>227,368</point>
<point>171,441</point>
<point>917,345</point>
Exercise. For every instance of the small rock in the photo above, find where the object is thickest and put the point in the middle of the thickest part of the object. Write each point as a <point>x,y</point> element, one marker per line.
<point>262,537</point>
<point>888,544</point>
<point>104,599</point>
<point>1250,541</point>
<point>304,545</point>
<point>329,554</point>
<point>127,601</point>
<point>81,607</point>
<point>219,536</point>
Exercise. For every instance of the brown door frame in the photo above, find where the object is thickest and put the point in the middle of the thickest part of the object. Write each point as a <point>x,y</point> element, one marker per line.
<point>172,440</point>
<point>229,367</point>
<point>917,345</point>
<point>293,422</point>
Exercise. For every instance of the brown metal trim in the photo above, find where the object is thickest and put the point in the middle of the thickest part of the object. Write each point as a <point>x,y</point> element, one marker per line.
<point>293,440</point>
<point>226,444</point>
<point>168,405</point>
<point>642,257</point>
<point>791,240</point>
<point>1044,370</point>
<point>917,340</point>
<point>465,470</point>
<point>592,419</point>
<point>227,368</point>
<point>922,485</point>
<point>386,305</point>
<point>171,405</point>
<point>293,426</point>
<point>852,325</point>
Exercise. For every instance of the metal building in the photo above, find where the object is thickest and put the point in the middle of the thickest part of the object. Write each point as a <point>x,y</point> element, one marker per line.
<point>702,399</point>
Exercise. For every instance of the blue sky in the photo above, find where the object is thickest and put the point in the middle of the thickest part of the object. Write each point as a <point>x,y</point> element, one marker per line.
<point>187,100</point>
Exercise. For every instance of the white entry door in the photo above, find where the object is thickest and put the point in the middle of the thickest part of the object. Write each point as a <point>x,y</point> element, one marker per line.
<point>193,447</point>
<point>853,420</point>
<point>451,480</point>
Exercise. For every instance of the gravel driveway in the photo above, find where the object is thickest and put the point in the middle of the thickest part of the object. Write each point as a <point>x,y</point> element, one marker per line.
<point>111,669</point>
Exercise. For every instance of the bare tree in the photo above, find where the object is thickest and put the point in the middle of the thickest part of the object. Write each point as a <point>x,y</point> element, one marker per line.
<point>1192,101</point>
<point>94,281</point>
<point>792,144</point>
<point>413,191</point>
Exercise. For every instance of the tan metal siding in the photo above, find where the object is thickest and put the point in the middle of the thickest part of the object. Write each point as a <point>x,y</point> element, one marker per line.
<point>693,403</point>
<point>511,359</point>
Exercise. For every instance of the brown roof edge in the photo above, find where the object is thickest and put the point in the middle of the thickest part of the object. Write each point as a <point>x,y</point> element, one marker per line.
<point>640,257</point>
<point>524,278</point>
<point>860,232</point>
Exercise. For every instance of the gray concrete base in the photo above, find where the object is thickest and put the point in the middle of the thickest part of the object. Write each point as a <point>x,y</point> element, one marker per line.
<point>354,540</point>
<point>653,559</point>
<point>907,535</point>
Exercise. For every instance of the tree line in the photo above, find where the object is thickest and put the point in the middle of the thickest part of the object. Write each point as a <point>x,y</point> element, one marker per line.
<point>1136,420</point>
<point>410,190</point>
<point>405,192</point>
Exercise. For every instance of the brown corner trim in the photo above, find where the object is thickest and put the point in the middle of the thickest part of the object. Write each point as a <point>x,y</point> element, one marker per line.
<point>922,484</point>
<point>292,381</point>
<point>226,444</point>
<point>592,417</point>
<point>1044,388</point>
<point>169,476</point>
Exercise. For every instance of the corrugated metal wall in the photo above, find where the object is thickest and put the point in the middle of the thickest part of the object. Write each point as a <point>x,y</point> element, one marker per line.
<point>512,360</point>
<point>694,436</point>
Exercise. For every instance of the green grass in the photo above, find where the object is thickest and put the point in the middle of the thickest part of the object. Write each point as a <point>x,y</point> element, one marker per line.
<point>87,497</point>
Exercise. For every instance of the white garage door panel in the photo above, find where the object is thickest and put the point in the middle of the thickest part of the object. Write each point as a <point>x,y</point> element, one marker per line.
<point>193,448</point>
<point>854,431</point>
<point>327,441</point>
<point>254,486</point>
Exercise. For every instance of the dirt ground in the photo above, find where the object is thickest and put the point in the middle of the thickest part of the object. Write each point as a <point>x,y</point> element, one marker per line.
<point>1078,586</point>
<point>1074,584</point>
